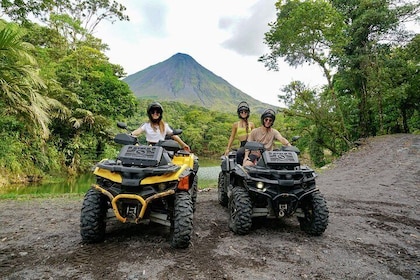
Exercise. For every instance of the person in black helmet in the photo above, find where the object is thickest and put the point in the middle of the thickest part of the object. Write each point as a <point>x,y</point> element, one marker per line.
<point>264,134</point>
<point>241,130</point>
<point>156,129</point>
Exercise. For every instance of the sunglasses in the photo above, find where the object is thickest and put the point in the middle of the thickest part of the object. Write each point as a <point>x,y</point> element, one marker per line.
<point>155,111</point>
<point>268,120</point>
<point>243,111</point>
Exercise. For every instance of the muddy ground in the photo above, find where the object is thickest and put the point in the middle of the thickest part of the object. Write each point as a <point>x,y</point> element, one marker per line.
<point>373,195</point>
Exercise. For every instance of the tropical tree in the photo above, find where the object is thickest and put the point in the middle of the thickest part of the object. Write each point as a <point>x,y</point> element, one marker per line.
<point>39,65</point>
<point>305,32</point>
<point>20,83</point>
<point>88,14</point>
<point>375,27</point>
<point>310,32</point>
<point>353,42</point>
<point>398,98</point>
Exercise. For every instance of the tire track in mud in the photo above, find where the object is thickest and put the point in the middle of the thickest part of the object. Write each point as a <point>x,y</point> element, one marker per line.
<point>375,210</point>
<point>398,259</point>
<point>400,250</point>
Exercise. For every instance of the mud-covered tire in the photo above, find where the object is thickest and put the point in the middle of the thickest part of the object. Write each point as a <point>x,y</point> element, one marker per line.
<point>316,214</point>
<point>182,223</point>
<point>222,190</point>
<point>93,217</point>
<point>240,211</point>
<point>194,192</point>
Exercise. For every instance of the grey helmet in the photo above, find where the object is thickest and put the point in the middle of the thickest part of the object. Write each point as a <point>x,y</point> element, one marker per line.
<point>268,113</point>
<point>241,107</point>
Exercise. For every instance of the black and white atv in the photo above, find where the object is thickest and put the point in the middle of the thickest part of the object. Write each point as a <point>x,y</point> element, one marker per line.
<point>276,187</point>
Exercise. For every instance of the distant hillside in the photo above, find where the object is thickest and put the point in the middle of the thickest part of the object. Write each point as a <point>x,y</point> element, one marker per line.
<point>181,78</point>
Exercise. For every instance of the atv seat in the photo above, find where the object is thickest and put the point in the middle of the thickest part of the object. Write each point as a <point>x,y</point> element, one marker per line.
<point>169,145</point>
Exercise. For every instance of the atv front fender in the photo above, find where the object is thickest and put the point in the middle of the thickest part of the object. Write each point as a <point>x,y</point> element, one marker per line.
<point>240,171</point>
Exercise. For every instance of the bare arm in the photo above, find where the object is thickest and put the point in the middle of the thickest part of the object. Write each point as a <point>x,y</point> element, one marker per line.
<point>232,137</point>
<point>251,125</point>
<point>283,140</point>
<point>181,143</point>
<point>137,132</point>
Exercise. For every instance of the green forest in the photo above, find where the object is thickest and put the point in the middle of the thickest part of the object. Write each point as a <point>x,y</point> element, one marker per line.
<point>61,97</point>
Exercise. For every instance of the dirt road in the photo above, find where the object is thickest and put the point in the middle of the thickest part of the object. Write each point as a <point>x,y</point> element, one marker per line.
<point>373,195</point>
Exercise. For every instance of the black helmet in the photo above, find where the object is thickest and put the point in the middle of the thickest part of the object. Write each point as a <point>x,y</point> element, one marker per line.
<point>154,106</point>
<point>241,107</point>
<point>268,113</point>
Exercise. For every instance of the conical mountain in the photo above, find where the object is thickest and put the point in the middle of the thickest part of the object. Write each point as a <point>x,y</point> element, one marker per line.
<point>181,78</point>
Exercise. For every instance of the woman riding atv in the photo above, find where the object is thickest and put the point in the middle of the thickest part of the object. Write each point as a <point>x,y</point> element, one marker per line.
<point>241,130</point>
<point>156,129</point>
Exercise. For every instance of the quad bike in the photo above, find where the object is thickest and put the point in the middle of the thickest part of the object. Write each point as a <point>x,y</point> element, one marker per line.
<point>276,186</point>
<point>143,184</point>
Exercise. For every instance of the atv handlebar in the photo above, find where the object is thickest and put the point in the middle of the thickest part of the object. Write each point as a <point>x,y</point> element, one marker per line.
<point>122,125</point>
<point>295,138</point>
<point>177,131</point>
<point>257,146</point>
<point>128,139</point>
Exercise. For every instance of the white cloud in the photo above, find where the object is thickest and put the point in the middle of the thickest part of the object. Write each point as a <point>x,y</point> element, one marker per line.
<point>153,15</point>
<point>248,32</point>
<point>225,37</point>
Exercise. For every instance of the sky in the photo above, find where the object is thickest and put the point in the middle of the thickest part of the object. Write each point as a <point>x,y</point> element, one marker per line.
<point>226,37</point>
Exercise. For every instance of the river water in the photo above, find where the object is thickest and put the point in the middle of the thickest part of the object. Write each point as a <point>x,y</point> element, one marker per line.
<point>82,184</point>
<point>75,185</point>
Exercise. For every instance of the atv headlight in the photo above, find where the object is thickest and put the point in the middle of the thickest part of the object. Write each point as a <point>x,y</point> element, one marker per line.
<point>260,185</point>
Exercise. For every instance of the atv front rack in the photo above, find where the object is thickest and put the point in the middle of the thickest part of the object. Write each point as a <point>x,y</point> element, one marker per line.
<point>280,177</point>
<point>143,202</point>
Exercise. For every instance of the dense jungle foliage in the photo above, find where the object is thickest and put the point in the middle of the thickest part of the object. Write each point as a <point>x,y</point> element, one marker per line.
<point>61,97</point>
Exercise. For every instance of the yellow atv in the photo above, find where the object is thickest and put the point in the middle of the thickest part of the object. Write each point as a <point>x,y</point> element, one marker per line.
<point>143,184</point>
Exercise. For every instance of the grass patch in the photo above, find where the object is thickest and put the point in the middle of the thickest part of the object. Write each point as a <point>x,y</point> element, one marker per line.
<point>23,197</point>
<point>207,183</point>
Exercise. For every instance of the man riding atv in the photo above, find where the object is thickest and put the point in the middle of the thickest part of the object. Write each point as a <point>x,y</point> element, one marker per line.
<point>264,134</point>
